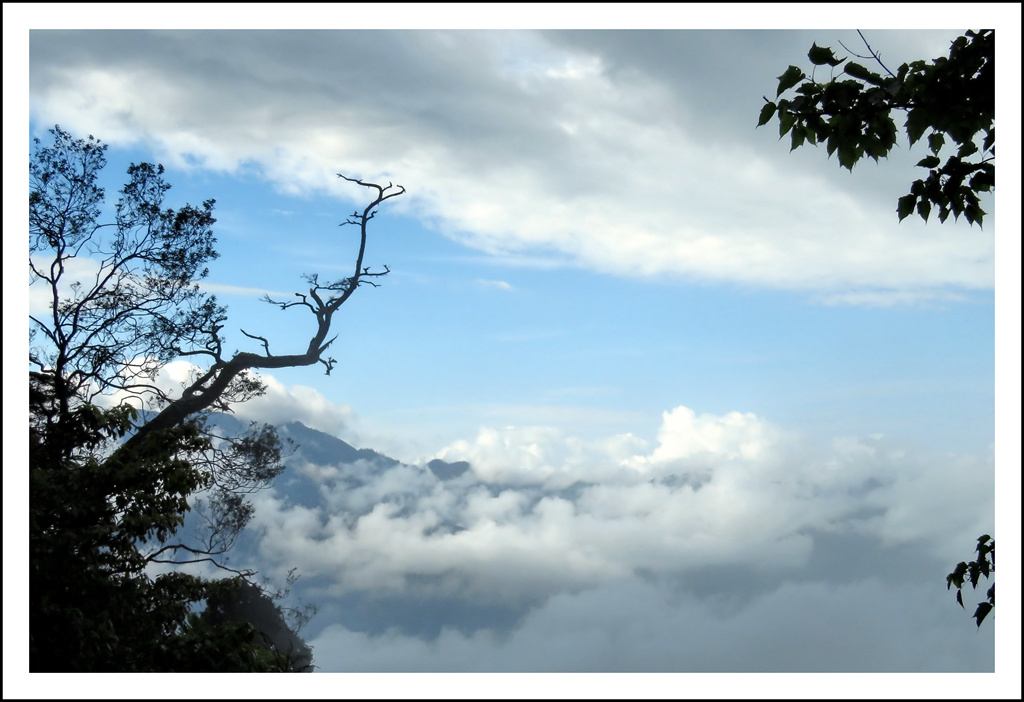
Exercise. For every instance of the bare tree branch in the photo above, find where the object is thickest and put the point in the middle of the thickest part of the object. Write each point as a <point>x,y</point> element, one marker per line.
<point>872,54</point>
<point>323,301</point>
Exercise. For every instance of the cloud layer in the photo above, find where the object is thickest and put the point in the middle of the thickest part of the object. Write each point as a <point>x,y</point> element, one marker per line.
<point>520,143</point>
<point>727,519</point>
<point>632,626</point>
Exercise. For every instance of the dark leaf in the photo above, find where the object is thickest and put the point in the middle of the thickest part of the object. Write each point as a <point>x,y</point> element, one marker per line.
<point>973,570</point>
<point>917,121</point>
<point>848,156</point>
<point>973,213</point>
<point>821,55</point>
<point>786,122</point>
<point>983,609</point>
<point>858,71</point>
<point>767,112</point>
<point>798,135</point>
<point>967,149</point>
<point>787,80</point>
<point>935,142</point>
<point>981,182</point>
<point>929,162</point>
<point>905,209</point>
<point>874,147</point>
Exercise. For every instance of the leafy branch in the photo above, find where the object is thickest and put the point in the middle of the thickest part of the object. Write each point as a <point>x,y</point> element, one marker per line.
<point>950,101</point>
<point>971,572</point>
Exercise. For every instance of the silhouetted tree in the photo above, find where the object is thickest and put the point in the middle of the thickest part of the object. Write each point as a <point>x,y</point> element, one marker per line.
<point>109,487</point>
<point>950,100</point>
<point>93,606</point>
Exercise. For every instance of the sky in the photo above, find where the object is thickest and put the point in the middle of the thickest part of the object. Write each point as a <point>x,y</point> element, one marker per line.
<point>724,412</point>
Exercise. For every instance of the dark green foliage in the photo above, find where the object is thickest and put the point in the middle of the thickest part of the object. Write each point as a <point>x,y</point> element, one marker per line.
<point>110,487</point>
<point>951,99</point>
<point>92,606</point>
<point>105,506</point>
<point>972,572</point>
<point>248,603</point>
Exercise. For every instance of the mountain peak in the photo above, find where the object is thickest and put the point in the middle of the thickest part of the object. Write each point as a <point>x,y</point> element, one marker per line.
<point>324,449</point>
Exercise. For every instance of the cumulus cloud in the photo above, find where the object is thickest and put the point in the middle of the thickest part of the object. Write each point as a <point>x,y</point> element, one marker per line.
<point>736,435</point>
<point>542,515</point>
<point>282,403</point>
<point>637,186</point>
<point>537,455</point>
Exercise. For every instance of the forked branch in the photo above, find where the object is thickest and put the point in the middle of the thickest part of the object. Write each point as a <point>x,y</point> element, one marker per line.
<point>323,300</point>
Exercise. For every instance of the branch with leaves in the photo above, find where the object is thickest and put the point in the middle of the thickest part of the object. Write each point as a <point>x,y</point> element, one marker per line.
<point>971,572</point>
<point>950,100</point>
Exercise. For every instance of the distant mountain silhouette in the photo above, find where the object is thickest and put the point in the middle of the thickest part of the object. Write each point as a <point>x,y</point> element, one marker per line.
<point>323,449</point>
<point>445,470</point>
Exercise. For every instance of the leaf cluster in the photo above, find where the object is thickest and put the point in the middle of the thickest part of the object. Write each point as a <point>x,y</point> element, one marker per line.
<point>984,564</point>
<point>950,100</point>
<point>94,605</point>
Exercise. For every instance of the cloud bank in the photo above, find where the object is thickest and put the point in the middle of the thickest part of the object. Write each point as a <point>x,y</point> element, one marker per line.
<point>565,146</point>
<point>545,552</point>
<point>634,626</point>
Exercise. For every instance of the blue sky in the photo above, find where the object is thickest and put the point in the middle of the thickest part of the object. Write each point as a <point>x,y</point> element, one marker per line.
<point>466,335</point>
<point>600,265</point>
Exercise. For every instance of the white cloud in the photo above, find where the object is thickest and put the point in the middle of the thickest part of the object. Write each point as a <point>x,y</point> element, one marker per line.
<point>535,456</point>
<point>295,403</point>
<point>498,284</point>
<point>221,289</point>
<point>538,148</point>
<point>79,269</point>
<point>891,298</point>
<point>735,435</point>
<point>542,513</point>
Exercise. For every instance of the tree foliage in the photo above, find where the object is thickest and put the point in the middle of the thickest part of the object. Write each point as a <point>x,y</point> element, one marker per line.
<point>109,487</point>
<point>971,572</point>
<point>950,101</point>
<point>92,525</point>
